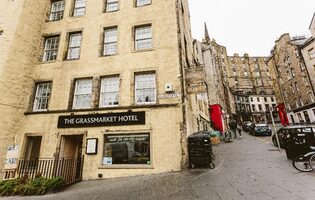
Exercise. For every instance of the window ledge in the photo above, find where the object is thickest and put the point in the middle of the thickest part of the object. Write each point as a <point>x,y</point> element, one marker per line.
<point>67,60</point>
<point>126,166</point>
<point>47,62</point>
<point>143,50</point>
<point>106,56</point>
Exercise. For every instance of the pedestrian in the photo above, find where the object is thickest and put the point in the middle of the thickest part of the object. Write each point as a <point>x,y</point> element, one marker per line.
<point>233,126</point>
<point>239,130</point>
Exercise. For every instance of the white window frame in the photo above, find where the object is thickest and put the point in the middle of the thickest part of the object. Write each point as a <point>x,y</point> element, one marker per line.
<point>142,2</point>
<point>42,95</point>
<point>79,8</point>
<point>141,88</point>
<point>51,48</point>
<point>80,95</point>
<point>74,46</point>
<point>110,87</point>
<point>310,94</point>
<point>57,10</point>
<point>111,5</point>
<point>110,41</point>
<point>143,37</point>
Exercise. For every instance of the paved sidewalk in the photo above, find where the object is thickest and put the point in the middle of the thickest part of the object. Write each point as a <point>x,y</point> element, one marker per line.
<point>247,169</point>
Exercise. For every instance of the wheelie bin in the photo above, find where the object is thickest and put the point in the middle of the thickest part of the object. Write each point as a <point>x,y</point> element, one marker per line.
<point>200,150</point>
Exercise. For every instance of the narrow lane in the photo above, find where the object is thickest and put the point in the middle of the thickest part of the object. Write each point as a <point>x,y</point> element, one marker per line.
<point>247,169</point>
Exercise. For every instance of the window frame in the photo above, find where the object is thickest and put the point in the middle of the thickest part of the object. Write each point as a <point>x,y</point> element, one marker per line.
<point>111,42</point>
<point>74,105</point>
<point>128,166</point>
<point>146,4</point>
<point>35,96</point>
<point>113,2</point>
<point>74,47</point>
<point>55,13</point>
<point>136,84</point>
<point>118,92</point>
<point>46,51</point>
<point>78,8</point>
<point>138,27</point>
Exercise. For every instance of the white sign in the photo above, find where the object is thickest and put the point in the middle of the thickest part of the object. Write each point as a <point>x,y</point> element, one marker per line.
<point>169,96</point>
<point>12,156</point>
<point>91,146</point>
<point>107,160</point>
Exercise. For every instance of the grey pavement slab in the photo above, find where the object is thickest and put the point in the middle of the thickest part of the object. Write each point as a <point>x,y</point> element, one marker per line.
<point>247,169</point>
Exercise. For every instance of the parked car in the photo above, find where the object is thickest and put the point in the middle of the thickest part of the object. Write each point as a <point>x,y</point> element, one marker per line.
<point>280,134</point>
<point>246,125</point>
<point>260,130</point>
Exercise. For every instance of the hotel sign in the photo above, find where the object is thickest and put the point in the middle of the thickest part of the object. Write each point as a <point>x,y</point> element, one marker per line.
<point>98,120</point>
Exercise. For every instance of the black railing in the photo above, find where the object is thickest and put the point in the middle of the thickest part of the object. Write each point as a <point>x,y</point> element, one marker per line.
<point>69,168</point>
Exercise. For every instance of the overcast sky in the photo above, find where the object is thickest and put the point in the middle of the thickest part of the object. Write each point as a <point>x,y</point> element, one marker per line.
<point>250,26</point>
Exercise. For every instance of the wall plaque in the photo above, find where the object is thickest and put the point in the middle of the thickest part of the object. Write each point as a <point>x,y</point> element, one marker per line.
<point>98,120</point>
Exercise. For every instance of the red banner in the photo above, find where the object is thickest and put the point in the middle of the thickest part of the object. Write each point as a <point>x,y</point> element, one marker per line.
<point>283,114</point>
<point>216,117</point>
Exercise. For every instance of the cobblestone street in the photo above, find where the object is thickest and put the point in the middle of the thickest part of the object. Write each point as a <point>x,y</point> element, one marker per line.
<point>249,168</point>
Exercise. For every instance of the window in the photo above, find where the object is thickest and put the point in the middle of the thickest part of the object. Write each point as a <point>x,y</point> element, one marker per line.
<point>259,107</point>
<point>313,112</point>
<point>301,101</point>
<point>292,74</point>
<point>288,106</point>
<point>82,94</point>
<point>297,103</point>
<point>143,37</point>
<point>245,73</point>
<point>272,99</point>
<point>251,99</point>
<point>109,91</point>
<point>1,32</point>
<point>79,8</point>
<point>42,96</point>
<point>257,74</point>
<point>267,107</point>
<point>127,149</point>
<point>258,99</point>
<point>311,53</point>
<point>253,108</point>
<point>265,99</point>
<point>110,41</point>
<point>74,46</point>
<point>51,48</point>
<point>302,66</point>
<point>142,2</point>
<point>56,12</point>
<point>111,5</point>
<point>145,89</point>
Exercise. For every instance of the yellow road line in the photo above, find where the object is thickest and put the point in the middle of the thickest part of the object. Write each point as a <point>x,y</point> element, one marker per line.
<point>262,140</point>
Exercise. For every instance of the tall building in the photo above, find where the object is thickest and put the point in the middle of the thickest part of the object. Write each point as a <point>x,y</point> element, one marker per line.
<point>101,79</point>
<point>293,79</point>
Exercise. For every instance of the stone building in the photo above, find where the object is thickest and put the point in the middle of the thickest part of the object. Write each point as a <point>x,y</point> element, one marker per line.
<point>101,79</point>
<point>293,79</point>
<point>248,76</point>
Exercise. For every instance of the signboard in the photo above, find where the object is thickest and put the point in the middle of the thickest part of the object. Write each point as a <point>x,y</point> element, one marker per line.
<point>169,96</point>
<point>97,120</point>
<point>12,157</point>
<point>91,146</point>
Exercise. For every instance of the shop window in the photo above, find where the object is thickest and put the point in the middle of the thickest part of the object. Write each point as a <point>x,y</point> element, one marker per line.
<point>42,96</point>
<point>126,149</point>
<point>111,5</point>
<point>109,91</point>
<point>79,8</point>
<point>56,12</point>
<point>82,94</point>
<point>142,2</point>
<point>145,88</point>
<point>51,48</point>
<point>143,37</point>
<point>110,41</point>
<point>74,46</point>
